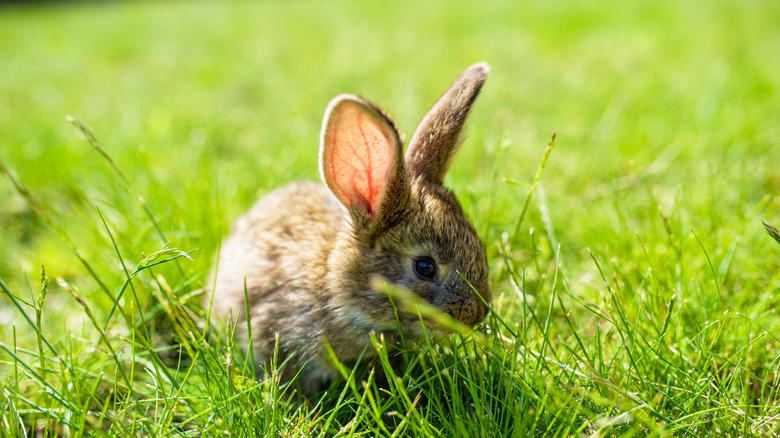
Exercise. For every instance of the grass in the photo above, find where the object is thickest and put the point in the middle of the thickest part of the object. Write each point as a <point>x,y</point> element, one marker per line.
<point>637,298</point>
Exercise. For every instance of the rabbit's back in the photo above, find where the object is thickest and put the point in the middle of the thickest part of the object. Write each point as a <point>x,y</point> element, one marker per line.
<point>282,243</point>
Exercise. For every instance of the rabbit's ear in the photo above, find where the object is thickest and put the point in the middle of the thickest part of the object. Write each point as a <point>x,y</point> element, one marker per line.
<point>361,161</point>
<point>440,132</point>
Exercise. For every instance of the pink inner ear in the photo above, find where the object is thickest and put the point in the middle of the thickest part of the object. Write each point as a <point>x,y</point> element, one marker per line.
<point>359,155</point>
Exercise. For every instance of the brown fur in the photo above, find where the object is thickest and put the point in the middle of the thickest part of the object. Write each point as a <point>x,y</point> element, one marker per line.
<point>309,262</point>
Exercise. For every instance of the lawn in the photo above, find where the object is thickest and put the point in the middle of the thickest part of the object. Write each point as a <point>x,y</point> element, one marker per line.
<point>637,296</point>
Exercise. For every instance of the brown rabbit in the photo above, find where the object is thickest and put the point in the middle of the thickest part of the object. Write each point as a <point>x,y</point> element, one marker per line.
<point>308,254</point>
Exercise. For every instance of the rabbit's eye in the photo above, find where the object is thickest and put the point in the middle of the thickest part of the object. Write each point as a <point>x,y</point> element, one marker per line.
<point>425,268</point>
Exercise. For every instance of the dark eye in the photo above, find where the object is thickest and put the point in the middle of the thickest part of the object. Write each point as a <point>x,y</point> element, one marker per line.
<point>425,268</point>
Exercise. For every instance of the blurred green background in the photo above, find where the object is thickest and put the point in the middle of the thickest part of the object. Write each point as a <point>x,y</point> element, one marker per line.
<point>205,106</point>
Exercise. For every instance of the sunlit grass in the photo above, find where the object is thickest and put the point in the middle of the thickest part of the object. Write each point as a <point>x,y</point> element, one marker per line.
<point>635,290</point>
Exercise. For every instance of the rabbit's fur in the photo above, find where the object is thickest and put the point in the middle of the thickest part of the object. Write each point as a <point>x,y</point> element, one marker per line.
<point>309,255</point>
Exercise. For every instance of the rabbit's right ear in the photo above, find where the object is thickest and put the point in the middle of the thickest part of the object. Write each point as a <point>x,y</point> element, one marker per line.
<point>361,162</point>
<point>440,132</point>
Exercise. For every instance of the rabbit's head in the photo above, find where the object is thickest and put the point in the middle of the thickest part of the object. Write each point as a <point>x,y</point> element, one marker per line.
<point>404,225</point>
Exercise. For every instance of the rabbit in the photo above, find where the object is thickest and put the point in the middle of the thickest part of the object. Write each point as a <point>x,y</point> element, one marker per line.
<point>308,254</point>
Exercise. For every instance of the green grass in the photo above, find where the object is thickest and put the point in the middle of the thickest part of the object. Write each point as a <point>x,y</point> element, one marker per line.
<point>638,299</point>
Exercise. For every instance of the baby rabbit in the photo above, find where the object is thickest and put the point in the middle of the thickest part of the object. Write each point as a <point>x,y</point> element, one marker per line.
<point>309,254</point>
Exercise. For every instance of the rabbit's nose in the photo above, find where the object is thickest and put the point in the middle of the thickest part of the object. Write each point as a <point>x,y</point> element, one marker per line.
<point>475,310</point>
<point>481,310</point>
<point>469,312</point>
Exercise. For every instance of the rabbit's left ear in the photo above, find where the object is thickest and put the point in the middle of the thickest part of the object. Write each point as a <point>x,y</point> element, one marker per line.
<point>440,132</point>
<point>361,162</point>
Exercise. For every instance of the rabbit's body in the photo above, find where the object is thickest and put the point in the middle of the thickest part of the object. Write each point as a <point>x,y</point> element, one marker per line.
<point>310,255</point>
<point>285,280</point>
